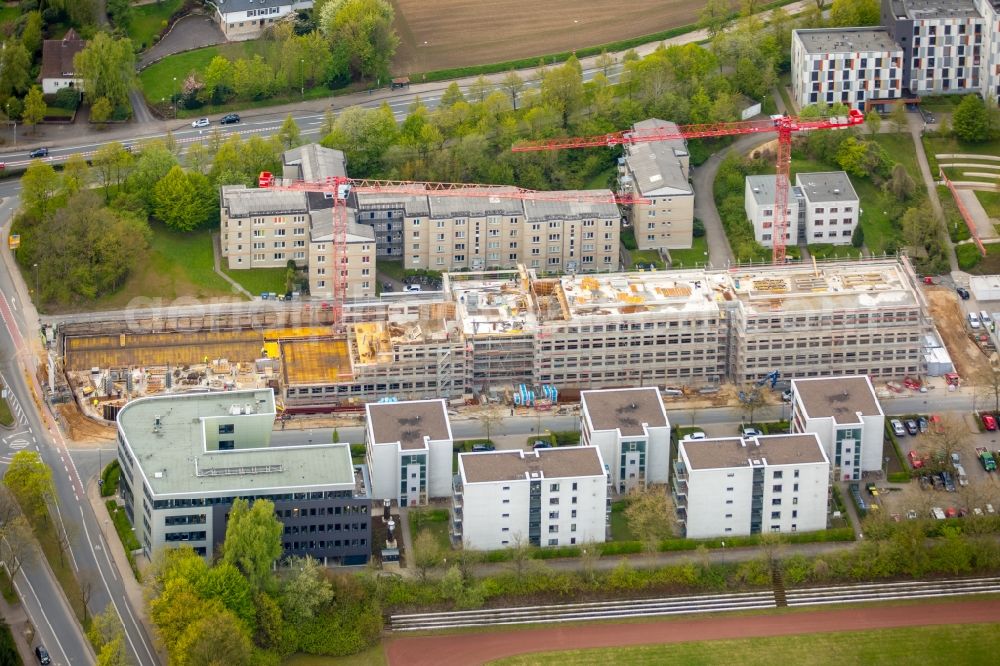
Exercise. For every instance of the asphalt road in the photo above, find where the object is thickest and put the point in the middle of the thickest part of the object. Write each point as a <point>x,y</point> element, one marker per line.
<point>88,550</point>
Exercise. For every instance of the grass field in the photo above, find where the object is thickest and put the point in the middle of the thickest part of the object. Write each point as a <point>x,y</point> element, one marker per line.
<point>619,525</point>
<point>157,80</point>
<point>645,258</point>
<point>6,418</point>
<point>958,230</point>
<point>990,201</point>
<point>434,520</point>
<point>934,145</point>
<point>259,280</point>
<point>147,21</point>
<point>827,251</point>
<point>8,13</point>
<point>953,644</point>
<point>437,35</point>
<point>693,256</point>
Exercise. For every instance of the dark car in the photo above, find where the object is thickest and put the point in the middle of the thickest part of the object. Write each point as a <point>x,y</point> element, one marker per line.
<point>43,655</point>
<point>541,444</point>
<point>911,427</point>
<point>39,152</point>
<point>479,448</point>
<point>963,292</point>
<point>923,424</point>
<point>230,119</point>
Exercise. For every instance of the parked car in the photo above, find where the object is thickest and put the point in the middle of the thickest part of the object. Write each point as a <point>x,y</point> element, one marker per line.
<point>989,422</point>
<point>478,448</point>
<point>412,288</point>
<point>786,395</point>
<point>984,316</point>
<point>963,292</point>
<point>937,512</point>
<point>39,152</point>
<point>42,655</point>
<point>692,436</point>
<point>897,428</point>
<point>230,119</point>
<point>752,432</point>
<point>922,424</point>
<point>911,426</point>
<point>950,512</point>
<point>956,459</point>
<point>541,444</point>
<point>936,424</point>
<point>915,461</point>
<point>974,320</point>
<point>201,122</point>
<point>948,481</point>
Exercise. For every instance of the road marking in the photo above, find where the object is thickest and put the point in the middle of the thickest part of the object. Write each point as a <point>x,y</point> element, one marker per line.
<point>72,555</point>
<point>41,609</point>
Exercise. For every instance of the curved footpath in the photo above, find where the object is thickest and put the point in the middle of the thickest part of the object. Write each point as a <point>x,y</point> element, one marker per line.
<point>477,648</point>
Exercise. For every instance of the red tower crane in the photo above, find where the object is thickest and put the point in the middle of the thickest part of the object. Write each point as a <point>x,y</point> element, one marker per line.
<point>341,187</point>
<point>785,126</point>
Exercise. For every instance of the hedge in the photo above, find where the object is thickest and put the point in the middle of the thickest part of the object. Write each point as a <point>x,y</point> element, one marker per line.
<point>109,479</point>
<point>895,447</point>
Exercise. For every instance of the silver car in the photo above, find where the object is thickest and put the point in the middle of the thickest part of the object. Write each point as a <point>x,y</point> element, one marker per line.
<point>201,122</point>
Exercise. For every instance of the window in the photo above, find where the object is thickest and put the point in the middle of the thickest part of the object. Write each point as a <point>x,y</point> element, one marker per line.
<point>227,429</point>
<point>553,542</point>
<point>777,475</point>
<point>775,515</point>
<point>795,488</point>
<point>553,529</point>
<point>553,501</point>
<point>729,515</point>
<point>776,488</point>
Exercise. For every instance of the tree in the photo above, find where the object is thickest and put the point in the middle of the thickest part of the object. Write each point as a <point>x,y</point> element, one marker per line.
<point>490,416</point>
<point>751,399</point>
<point>304,591</point>
<point>361,35</point>
<point>950,436</point>
<point>971,120</point>
<point>898,117</point>
<point>327,126</point>
<point>605,61</point>
<point>196,157</point>
<point>75,174</point>
<point>873,121</point>
<point>212,640</point>
<point>17,547</point>
<point>253,540</point>
<point>920,229</point>
<point>112,164</point>
<point>100,112</point>
<point>113,653</point>
<point>646,514</point>
<point>218,80</point>
<point>31,35</point>
<point>988,391</point>
<point>107,67</point>
<point>105,628</point>
<point>120,12</point>
<point>364,135</point>
<point>253,78</point>
<point>900,184</point>
<point>451,96</point>
<point>562,89</point>
<point>30,482</point>
<point>39,185</point>
<point>480,88</point>
<point>35,107</point>
<point>154,162</point>
<point>427,553</point>
<point>854,13</point>
<point>715,17</point>
<point>289,133</point>
<point>15,69</point>
<point>183,200</point>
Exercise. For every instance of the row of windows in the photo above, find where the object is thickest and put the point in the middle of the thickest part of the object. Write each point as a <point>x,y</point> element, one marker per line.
<point>328,527</point>
<point>334,543</point>
<point>284,497</point>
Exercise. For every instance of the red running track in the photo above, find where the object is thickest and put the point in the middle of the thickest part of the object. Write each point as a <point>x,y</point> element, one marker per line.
<point>476,648</point>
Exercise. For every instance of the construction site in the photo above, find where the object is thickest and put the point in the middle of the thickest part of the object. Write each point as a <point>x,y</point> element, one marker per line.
<point>511,336</point>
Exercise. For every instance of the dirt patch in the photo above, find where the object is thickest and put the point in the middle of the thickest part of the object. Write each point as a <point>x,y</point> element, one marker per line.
<point>440,34</point>
<point>80,428</point>
<point>969,361</point>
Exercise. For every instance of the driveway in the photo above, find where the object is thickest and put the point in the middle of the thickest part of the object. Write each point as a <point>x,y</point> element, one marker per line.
<point>191,32</point>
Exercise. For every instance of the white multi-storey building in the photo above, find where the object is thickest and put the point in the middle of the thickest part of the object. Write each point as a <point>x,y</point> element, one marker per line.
<point>758,202</point>
<point>659,171</point>
<point>853,66</point>
<point>185,458</point>
<point>822,208</point>
<point>734,486</point>
<point>846,416</point>
<point>547,497</point>
<point>631,429</point>
<point>409,450</point>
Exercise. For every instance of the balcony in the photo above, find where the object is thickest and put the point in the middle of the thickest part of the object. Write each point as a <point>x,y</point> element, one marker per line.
<point>680,471</point>
<point>681,501</point>
<point>678,486</point>
<point>681,514</point>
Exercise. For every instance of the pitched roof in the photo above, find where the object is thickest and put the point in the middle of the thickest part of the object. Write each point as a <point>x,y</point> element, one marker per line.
<point>57,56</point>
<point>657,165</point>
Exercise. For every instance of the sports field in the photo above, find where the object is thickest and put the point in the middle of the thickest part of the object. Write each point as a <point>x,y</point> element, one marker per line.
<point>951,645</point>
<point>440,34</point>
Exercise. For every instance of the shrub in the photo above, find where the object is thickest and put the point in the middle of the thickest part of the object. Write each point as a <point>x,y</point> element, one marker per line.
<point>968,255</point>
<point>109,479</point>
<point>67,98</point>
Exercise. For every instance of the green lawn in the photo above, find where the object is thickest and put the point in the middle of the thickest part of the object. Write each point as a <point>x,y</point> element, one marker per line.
<point>784,81</point>
<point>990,201</point>
<point>946,645</point>
<point>176,264</point>
<point>437,521</point>
<point>8,591</point>
<point>393,269</point>
<point>646,257</point>
<point>619,525</point>
<point>124,529</point>
<point>147,21</point>
<point>9,13</point>
<point>157,80</point>
<point>828,251</point>
<point>601,179</point>
<point>259,280</point>
<point>958,230</point>
<point>695,256</point>
<point>950,145</point>
<point>6,418</point>
<point>990,264</point>
<point>941,103</point>
<point>57,112</point>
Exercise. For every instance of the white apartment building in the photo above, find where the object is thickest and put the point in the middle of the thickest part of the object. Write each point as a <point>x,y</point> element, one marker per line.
<point>631,429</point>
<point>759,199</point>
<point>946,43</point>
<point>264,228</point>
<point>547,497</point>
<point>846,416</point>
<point>853,66</point>
<point>734,486</point>
<point>659,171</point>
<point>409,450</point>
<point>448,233</point>
<point>822,208</point>
<point>185,458</point>
<point>247,19</point>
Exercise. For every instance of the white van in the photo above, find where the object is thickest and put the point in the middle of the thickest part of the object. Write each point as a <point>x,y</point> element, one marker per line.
<point>974,320</point>
<point>985,317</point>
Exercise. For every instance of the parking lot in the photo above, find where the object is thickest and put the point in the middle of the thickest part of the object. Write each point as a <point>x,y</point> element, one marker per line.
<point>963,436</point>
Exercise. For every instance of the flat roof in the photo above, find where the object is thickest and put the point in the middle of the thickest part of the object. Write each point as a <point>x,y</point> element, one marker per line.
<point>560,462</point>
<point>624,409</point>
<point>174,460</point>
<point>822,41</point>
<point>934,9</point>
<point>762,190</point>
<point>242,201</point>
<point>769,450</point>
<point>408,422</point>
<point>569,209</point>
<point>842,398</point>
<point>826,187</point>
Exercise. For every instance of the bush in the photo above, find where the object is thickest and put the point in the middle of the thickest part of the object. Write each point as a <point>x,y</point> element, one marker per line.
<point>67,98</point>
<point>627,237</point>
<point>358,450</point>
<point>566,437</point>
<point>891,436</point>
<point>968,255</point>
<point>109,479</point>
<point>899,477</point>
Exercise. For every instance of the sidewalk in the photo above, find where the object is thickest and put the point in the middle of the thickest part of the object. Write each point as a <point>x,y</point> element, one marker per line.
<point>20,626</point>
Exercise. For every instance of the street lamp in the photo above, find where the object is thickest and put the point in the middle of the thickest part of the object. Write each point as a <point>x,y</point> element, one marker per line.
<point>173,100</point>
<point>302,76</point>
<point>36,281</point>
